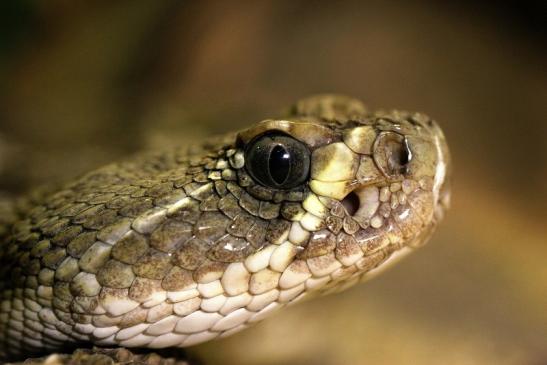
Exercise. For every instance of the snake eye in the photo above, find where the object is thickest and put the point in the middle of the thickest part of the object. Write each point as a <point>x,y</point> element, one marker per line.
<point>277,161</point>
<point>392,154</point>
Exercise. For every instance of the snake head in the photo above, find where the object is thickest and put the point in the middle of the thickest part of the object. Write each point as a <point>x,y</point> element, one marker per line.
<point>372,187</point>
<point>178,247</point>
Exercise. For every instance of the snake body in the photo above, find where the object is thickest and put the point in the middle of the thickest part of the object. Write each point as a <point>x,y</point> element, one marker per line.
<point>178,247</point>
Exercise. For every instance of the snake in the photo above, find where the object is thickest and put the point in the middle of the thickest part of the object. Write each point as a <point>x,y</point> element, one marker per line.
<point>176,247</point>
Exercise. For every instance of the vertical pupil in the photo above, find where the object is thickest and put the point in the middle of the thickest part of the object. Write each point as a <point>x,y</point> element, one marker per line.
<point>279,164</point>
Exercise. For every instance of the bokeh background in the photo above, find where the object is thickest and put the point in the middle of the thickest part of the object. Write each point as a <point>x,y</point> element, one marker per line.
<point>83,83</point>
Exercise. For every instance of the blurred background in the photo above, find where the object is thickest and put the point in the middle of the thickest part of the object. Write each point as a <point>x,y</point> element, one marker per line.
<point>83,83</point>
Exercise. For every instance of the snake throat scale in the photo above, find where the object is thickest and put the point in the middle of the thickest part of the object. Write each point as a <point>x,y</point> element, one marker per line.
<point>174,248</point>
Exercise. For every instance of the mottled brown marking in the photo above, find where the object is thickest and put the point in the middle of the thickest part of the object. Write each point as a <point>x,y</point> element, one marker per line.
<point>136,316</point>
<point>72,210</point>
<point>153,265</point>
<point>269,210</point>
<point>170,235</point>
<point>142,289</point>
<point>241,225</point>
<point>209,271</point>
<point>291,210</point>
<point>53,257</point>
<point>113,232</point>
<point>261,192</point>
<point>257,234</point>
<point>85,304</point>
<point>82,217</point>
<point>159,312</point>
<point>58,226</point>
<point>130,248</point>
<point>115,274</point>
<point>190,213</point>
<point>136,207</point>
<point>210,204</point>
<point>230,249</point>
<point>191,254</point>
<point>63,237</point>
<point>177,279</point>
<point>41,248</point>
<point>299,266</point>
<point>277,231</point>
<point>319,244</point>
<point>211,226</point>
<point>370,262</point>
<point>61,290</point>
<point>350,225</point>
<point>334,224</point>
<point>79,245</point>
<point>346,245</point>
<point>371,240</point>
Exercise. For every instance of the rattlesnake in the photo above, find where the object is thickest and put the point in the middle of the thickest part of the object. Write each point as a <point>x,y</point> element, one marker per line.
<point>173,248</point>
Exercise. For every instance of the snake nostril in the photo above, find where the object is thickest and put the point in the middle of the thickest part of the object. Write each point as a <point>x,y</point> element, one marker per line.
<point>351,203</point>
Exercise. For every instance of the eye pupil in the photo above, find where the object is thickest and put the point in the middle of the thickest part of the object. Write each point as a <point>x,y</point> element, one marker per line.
<point>279,164</point>
<point>277,161</point>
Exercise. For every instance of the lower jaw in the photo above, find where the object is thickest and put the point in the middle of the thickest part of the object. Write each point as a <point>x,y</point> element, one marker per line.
<point>387,264</point>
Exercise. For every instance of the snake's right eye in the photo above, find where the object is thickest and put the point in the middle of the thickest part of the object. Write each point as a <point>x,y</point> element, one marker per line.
<point>277,161</point>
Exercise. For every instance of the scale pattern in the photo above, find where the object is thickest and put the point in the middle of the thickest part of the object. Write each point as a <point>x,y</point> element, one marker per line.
<point>179,247</point>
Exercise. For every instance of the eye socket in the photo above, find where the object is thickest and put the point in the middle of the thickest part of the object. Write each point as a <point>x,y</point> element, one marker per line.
<point>392,154</point>
<point>277,161</point>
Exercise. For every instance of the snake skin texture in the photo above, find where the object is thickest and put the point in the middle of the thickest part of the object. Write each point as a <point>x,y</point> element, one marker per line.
<point>178,247</point>
<point>112,356</point>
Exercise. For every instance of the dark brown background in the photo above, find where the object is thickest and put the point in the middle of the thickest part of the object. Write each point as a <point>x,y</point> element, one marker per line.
<point>85,83</point>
